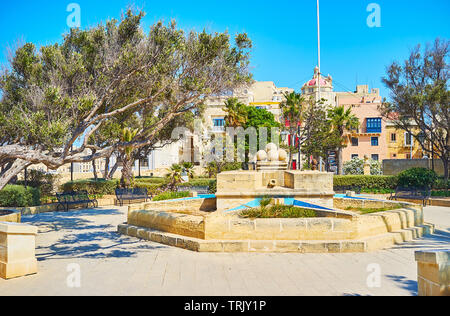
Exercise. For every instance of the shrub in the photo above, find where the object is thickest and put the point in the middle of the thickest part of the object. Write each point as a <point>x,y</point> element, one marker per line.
<point>278,211</point>
<point>367,182</point>
<point>212,187</point>
<point>441,184</point>
<point>356,167</point>
<point>417,177</point>
<point>169,195</point>
<point>201,182</point>
<point>152,188</point>
<point>99,187</point>
<point>19,196</point>
<point>45,182</point>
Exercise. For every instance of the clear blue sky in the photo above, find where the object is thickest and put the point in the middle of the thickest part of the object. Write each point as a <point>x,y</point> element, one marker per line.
<point>283,32</point>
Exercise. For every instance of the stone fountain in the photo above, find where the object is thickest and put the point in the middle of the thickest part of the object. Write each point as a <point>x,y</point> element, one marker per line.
<point>271,178</point>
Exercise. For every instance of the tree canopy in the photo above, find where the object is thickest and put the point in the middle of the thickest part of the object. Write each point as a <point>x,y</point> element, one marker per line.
<point>420,98</point>
<point>64,94</point>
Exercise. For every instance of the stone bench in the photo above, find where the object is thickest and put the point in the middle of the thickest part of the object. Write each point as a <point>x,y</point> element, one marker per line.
<point>17,250</point>
<point>433,273</point>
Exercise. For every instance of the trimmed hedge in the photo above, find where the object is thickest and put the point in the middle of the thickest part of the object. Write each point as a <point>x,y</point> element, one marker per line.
<point>19,196</point>
<point>171,196</point>
<point>99,187</point>
<point>367,182</point>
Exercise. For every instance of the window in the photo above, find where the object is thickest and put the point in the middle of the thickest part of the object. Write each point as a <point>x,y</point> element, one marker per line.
<point>393,137</point>
<point>374,141</point>
<point>373,125</point>
<point>394,155</point>
<point>355,141</point>
<point>219,122</point>
<point>375,157</point>
<point>354,156</point>
<point>408,139</point>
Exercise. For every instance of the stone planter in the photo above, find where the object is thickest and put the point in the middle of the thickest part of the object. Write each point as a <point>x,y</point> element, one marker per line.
<point>17,250</point>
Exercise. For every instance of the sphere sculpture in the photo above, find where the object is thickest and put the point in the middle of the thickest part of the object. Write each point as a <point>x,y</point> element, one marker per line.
<point>261,155</point>
<point>272,158</point>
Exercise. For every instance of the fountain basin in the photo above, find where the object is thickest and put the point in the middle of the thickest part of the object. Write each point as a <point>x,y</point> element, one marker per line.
<point>10,216</point>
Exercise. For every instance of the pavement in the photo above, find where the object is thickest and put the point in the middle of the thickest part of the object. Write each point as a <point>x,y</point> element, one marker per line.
<point>81,253</point>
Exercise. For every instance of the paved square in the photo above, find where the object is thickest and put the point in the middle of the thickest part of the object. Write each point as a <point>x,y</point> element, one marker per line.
<point>111,264</point>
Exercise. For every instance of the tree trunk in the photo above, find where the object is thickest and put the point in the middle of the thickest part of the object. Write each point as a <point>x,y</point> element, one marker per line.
<point>105,171</point>
<point>127,172</point>
<point>445,162</point>
<point>113,171</point>
<point>94,170</point>
<point>15,169</point>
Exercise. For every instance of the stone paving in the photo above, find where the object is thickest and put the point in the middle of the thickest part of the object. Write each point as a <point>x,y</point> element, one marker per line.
<point>111,264</point>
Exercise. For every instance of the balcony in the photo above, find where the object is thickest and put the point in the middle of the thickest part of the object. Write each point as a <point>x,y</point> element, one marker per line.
<point>373,126</point>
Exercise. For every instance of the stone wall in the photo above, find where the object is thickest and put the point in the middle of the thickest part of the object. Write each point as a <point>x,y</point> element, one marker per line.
<point>433,273</point>
<point>392,167</point>
<point>13,217</point>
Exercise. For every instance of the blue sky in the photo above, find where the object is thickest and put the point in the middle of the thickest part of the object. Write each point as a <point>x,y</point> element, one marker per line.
<point>283,32</point>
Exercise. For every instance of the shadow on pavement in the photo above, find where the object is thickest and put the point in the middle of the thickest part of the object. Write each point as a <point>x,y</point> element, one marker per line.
<point>77,234</point>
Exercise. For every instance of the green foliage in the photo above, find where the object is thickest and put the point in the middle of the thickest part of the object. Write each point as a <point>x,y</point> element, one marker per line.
<point>417,177</point>
<point>168,195</point>
<point>103,187</point>
<point>442,193</point>
<point>278,211</point>
<point>441,184</point>
<point>356,167</point>
<point>213,187</point>
<point>19,196</point>
<point>367,182</point>
<point>197,183</point>
<point>213,168</point>
<point>45,182</point>
<point>96,81</point>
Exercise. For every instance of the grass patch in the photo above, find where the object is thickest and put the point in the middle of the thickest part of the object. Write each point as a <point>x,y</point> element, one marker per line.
<point>363,211</point>
<point>278,211</point>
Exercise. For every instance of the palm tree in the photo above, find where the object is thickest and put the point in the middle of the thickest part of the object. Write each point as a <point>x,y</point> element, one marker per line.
<point>292,109</point>
<point>342,120</point>
<point>236,113</point>
<point>188,168</point>
<point>174,176</point>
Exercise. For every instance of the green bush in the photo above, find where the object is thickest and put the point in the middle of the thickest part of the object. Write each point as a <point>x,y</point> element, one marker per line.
<point>45,182</point>
<point>150,180</point>
<point>19,196</point>
<point>169,195</point>
<point>99,187</point>
<point>417,177</point>
<point>212,187</point>
<point>152,188</point>
<point>445,193</point>
<point>367,182</point>
<point>356,167</point>
<point>200,182</point>
<point>441,184</point>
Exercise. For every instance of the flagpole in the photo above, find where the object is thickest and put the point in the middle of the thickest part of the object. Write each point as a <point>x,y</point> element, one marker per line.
<point>318,45</point>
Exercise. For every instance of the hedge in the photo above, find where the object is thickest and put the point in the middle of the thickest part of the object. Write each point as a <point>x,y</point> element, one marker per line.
<point>19,196</point>
<point>367,182</point>
<point>171,196</point>
<point>99,187</point>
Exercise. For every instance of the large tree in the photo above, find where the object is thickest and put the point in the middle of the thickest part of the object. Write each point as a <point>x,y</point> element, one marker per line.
<point>420,98</point>
<point>61,95</point>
